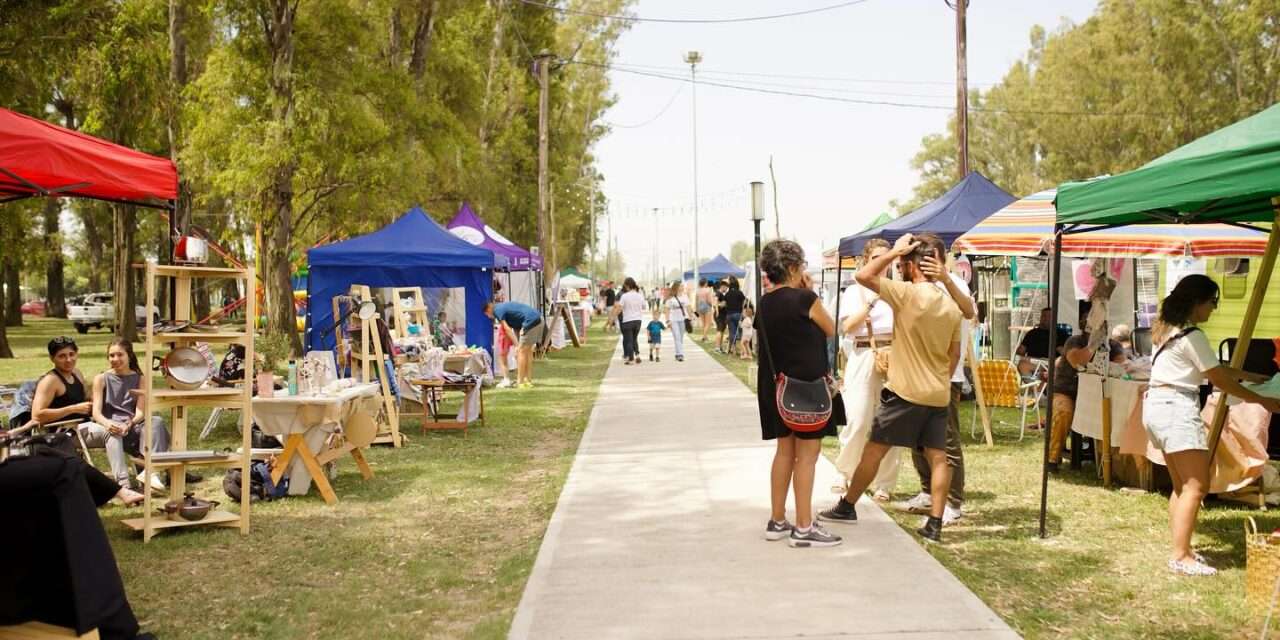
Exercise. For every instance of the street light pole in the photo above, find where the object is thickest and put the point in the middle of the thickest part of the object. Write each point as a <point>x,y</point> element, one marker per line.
<point>693,58</point>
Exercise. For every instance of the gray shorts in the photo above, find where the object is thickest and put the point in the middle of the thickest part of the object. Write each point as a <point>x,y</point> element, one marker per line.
<point>1172,420</point>
<point>532,336</point>
<point>901,423</point>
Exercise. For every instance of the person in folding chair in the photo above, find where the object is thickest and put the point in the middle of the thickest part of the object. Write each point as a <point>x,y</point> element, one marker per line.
<point>61,395</point>
<point>117,415</point>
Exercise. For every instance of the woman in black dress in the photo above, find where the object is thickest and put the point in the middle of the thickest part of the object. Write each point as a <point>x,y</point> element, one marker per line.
<point>794,327</point>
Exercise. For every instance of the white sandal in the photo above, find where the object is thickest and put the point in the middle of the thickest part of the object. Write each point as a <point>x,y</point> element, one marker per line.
<point>1192,568</point>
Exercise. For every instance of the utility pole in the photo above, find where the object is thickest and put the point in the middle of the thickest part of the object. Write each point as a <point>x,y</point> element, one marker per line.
<point>693,58</point>
<point>657,270</point>
<point>962,86</point>
<point>543,66</point>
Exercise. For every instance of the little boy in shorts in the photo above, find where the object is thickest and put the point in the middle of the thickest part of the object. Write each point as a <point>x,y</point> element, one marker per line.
<point>655,328</point>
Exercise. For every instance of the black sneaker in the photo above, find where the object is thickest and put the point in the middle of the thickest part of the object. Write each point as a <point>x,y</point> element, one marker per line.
<point>816,536</point>
<point>1053,467</point>
<point>679,358</point>
<point>651,357</point>
<point>932,530</point>
<point>842,512</point>
<point>777,530</point>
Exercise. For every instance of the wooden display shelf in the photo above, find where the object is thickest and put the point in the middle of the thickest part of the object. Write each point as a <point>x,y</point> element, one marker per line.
<point>171,270</point>
<point>197,336</point>
<point>230,461</point>
<point>44,631</point>
<point>218,517</point>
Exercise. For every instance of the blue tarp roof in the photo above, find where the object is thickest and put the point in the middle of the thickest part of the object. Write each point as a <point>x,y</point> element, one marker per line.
<point>716,268</point>
<point>955,212</point>
<point>413,251</point>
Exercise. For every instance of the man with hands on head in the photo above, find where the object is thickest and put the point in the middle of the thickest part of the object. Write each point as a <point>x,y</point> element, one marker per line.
<point>926,350</point>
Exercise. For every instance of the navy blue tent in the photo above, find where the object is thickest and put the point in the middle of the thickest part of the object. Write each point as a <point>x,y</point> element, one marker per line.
<point>955,212</point>
<point>413,251</point>
<point>717,268</point>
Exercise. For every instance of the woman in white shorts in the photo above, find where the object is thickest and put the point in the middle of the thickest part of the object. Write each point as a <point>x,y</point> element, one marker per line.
<point>1171,408</point>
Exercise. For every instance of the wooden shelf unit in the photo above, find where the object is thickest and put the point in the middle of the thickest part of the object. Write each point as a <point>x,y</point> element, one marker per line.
<point>176,402</point>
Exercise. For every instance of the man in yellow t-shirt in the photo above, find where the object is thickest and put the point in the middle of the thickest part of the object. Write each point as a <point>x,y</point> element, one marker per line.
<point>913,404</point>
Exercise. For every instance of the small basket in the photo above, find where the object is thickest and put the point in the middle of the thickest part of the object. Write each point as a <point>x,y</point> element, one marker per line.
<point>1262,567</point>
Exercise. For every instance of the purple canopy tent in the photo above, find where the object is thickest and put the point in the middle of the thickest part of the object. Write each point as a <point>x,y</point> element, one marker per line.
<point>524,286</point>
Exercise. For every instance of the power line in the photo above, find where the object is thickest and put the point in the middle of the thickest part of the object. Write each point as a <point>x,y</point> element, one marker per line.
<point>785,76</point>
<point>604,16</point>
<point>786,85</point>
<point>879,103</point>
<point>654,118</point>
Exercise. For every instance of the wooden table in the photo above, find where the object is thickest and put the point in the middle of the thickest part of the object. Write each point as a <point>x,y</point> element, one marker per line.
<point>306,423</point>
<point>433,391</point>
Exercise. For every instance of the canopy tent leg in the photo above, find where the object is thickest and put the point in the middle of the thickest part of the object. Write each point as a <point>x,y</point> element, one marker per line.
<point>835,371</point>
<point>1250,322</point>
<point>1054,284</point>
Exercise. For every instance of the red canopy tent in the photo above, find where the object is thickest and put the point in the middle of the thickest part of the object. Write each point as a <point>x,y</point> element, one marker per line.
<point>38,158</point>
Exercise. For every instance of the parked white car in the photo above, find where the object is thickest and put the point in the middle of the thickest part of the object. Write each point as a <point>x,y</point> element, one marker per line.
<point>98,310</point>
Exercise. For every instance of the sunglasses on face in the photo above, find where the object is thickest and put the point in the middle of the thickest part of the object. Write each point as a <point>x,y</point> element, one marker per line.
<point>62,341</point>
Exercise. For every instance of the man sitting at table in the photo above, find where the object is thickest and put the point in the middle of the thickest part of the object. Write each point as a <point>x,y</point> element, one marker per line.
<point>517,318</point>
<point>1066,383</point>
<point>1035,344</point>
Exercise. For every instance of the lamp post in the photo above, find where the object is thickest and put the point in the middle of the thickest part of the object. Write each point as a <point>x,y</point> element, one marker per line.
<point>757,216</point>
<point>693,58</point>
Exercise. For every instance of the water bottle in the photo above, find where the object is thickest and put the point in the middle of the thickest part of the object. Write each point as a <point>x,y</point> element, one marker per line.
<point>293,378</point>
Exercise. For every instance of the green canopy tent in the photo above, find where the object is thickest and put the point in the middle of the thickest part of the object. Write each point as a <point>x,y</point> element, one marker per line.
<point>1230,176</point>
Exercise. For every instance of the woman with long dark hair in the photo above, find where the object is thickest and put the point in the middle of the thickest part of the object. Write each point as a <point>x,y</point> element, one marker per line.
<point>794,327</point>
<point>631,308</point>
<point>1171,407</point>
<point>117,412</point>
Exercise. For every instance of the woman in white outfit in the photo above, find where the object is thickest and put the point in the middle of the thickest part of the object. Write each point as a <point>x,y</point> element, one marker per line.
<point>862,384</point>
<point>675,311</point>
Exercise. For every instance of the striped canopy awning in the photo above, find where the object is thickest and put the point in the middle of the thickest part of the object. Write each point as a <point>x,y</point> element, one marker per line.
<point>1025,228</point>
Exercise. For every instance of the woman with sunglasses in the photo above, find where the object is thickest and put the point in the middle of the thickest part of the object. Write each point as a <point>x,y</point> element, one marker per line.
<point>60,394</point>
<point>1171,407</point>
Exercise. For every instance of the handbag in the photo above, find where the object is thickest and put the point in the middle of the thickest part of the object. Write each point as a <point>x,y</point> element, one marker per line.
<point>881,353</point>
<point>688,324</point>
<point>803,405</point>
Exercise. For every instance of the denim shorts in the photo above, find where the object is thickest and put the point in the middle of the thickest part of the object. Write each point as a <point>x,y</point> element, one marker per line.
<point>1172,420</point>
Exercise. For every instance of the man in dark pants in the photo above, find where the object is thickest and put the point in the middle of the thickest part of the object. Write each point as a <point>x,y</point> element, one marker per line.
<point>922,503</point>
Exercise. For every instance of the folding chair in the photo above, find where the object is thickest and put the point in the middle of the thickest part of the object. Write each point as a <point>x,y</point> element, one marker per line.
<point>1002,386</point>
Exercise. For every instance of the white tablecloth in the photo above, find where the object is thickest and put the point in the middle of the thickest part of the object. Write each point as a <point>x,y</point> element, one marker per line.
<point>1088,418</point>
<point>313,416</point>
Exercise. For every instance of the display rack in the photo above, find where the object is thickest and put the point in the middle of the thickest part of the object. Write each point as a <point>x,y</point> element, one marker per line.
<point>415,313</point>
<point>371,352</point>
<point>160,397</point>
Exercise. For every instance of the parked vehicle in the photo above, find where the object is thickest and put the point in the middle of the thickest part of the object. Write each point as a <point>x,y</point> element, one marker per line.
<point>96,310</point>
<point>34,307</point>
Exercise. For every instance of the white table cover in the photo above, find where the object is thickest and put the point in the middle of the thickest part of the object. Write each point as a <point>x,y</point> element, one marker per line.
<point>313,416</point>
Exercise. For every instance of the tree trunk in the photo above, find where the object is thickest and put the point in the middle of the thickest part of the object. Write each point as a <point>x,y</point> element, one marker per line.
<point>278,228</point>
<point>495,48</point>
<point>422,38</point>
<point>5,351</point>
<point>122,271</point>
<point>13,294</point>
<point>95,241</point>
<point>177,83</point>
<point>55,294</point>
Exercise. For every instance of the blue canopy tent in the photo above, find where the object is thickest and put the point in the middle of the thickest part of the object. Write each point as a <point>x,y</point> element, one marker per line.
<point>955,212</point>
<point>717,268</point>
<point>413,251</point>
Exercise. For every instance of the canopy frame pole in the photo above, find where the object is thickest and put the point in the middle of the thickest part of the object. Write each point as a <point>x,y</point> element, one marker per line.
<point>1055,284</point>
<point>1246,329</point>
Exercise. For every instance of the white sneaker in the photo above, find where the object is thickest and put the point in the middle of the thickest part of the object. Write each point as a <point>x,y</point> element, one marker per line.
<point>154,481</point>
<point>506,383</point>
<point>921,503</point>
<point>951,514</point>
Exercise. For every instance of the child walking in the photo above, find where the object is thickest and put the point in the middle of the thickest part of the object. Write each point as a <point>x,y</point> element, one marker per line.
<point>655,328</point>
<point>746,329</point>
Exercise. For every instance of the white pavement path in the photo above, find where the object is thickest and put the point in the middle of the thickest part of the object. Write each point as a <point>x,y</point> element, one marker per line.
<point>658,533</point>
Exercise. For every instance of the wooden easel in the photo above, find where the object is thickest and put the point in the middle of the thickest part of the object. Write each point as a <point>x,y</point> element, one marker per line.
<point>415,313</point>
<point>369,334</point>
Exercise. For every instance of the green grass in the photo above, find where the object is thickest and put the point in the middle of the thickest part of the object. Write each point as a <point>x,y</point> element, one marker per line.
<point>438,544</point>
<point>1101,572</point>
<point>30,348</point>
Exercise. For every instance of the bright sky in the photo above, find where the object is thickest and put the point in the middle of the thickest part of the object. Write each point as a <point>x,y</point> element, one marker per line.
<point>837,164</point>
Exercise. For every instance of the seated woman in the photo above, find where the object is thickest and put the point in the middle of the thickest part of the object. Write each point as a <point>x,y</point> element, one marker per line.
<point>116,411</point>
<point>1066,385</point>
<point>60,393</point>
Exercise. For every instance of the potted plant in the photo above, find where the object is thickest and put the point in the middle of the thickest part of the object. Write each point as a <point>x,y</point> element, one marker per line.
<point>273,351</point>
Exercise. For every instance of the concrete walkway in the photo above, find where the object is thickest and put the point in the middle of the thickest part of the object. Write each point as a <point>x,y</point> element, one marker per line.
<point>658,533</point>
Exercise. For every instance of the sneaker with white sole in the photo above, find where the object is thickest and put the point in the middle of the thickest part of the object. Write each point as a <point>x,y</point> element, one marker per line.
<point>1191,568</point>
<point>951,514</point>
<point>777,530</point>
<point>843,512</point>
<point>816,536</point>
<point>921,503</point>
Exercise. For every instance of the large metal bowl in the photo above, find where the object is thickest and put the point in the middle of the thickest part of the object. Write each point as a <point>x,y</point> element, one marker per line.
<point>185,368</point>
